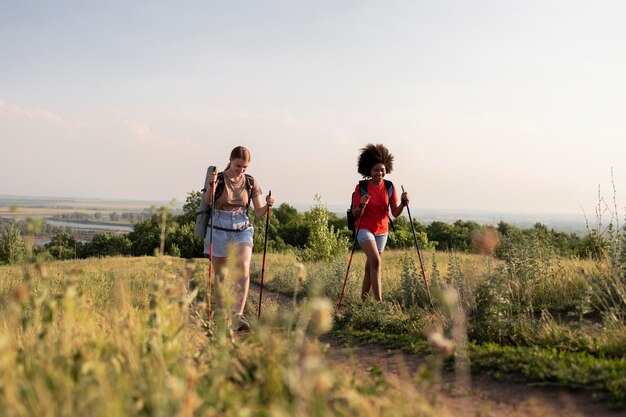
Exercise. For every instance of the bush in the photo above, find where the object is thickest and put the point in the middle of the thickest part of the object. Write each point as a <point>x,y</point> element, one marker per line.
<point>324,243</point>
<point>107,244</point>
<point>12,246</point>
<point>63,246</point>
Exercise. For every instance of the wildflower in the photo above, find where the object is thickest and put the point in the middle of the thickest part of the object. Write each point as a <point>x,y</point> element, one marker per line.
<point>321,315</point>
<point>21,293</point>
<point>438,341</point>
<point>301,273</point>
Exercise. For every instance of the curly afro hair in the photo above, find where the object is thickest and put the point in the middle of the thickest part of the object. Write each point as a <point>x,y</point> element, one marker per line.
<point>372,155</point>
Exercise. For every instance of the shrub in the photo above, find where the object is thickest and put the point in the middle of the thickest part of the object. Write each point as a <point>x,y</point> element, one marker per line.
<point>12,246</point>
<point>324,243</point>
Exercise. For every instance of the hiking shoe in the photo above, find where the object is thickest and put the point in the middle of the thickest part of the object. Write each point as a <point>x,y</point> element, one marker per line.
<point>242,323</point>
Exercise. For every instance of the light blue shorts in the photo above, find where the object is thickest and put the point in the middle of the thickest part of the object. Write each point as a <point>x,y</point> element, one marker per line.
<point>365,235</point>
<point>221,238</point>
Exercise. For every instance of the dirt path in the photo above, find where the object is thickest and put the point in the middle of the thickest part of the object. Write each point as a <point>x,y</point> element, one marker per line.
<point>478,395</point>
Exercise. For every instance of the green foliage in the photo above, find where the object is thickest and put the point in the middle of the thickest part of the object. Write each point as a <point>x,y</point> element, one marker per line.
<point>413,290</point>
<point>609,283</point>
<point>146,236</point>
<point>563,244</point>
<point>458,236</point>
<point>12,245</point>
<point>386,317</point>
<point>190,208</point>
<point>63,246</point>
<point>275,240</point>
<point>146,351</point>
<point>323,242</point>
<point>163,232</point>
<point>107,244</point>
<point>292,227</point>
<point>535,364</point>
<point>490,319</point>
<point>181,236</point>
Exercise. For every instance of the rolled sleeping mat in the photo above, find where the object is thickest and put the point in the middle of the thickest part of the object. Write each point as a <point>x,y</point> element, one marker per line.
<point>203,215</point>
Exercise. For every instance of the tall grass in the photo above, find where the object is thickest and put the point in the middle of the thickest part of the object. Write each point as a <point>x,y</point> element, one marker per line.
<point>120,336</point>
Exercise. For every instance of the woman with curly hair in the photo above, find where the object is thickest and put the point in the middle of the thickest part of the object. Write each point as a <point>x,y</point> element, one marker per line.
<point>371,200</point>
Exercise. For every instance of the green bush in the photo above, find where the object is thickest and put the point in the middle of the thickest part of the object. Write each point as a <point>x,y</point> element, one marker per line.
<point>323,243</point>
<point>12,246</point>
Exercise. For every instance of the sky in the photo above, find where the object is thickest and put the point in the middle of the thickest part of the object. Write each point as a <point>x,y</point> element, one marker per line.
<point>501,106</point>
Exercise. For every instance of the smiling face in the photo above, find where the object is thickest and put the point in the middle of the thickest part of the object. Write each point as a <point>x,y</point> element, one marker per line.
<point>378,172</point>
<point>238,166</point>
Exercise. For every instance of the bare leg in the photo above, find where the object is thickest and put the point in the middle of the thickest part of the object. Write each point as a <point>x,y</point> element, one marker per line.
<point>373,261</point>
<point>367,285</point>
<point>242,285</point>
<point>218,265</point>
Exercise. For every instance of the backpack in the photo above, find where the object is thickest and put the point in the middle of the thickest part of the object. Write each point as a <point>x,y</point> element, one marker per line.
<point>219,187</point>
<point>363,191</point>
<point>204,215</point>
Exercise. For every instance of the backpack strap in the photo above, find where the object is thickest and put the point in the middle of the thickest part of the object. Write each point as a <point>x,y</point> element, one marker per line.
<point>389,187</point>
<point>363,187</point>
<point>219,188</point>
<point>249,185</point>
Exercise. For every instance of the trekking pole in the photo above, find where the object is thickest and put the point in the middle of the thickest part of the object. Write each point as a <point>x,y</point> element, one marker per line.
<point>211,246</point>
<point>356,233</point>
<point>267,220</point>
<point>419,254</point>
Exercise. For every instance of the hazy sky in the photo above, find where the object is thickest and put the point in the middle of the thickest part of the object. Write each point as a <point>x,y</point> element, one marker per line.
<point>496,105</point>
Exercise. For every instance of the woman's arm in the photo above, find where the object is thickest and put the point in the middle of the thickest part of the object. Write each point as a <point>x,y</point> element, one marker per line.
<point>396,209</point>
<point>259,208</point>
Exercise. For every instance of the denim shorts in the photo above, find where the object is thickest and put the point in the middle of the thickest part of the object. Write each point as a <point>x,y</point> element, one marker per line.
<point>222,238</point>
<point>364,235</point>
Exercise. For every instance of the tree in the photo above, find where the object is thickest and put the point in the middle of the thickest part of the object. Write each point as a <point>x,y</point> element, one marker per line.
<point>62,246</point>
<point>108,244</point>
<point>440,233</point>
<point>190,208</point>
<point>292,227</point>
<point>323,243</point>
<point>146,236</point>
<point>12,246</point>
<point>181,236</point>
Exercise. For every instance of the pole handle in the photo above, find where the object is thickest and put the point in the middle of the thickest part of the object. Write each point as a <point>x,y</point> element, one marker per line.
<point>403,202</point>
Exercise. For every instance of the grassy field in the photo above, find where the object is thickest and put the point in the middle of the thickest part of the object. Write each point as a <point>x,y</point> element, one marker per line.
<point>116,337</point>
<point>531,317</point>
<point>121,336</point>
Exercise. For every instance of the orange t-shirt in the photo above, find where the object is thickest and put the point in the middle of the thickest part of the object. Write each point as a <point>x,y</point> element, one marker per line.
<point>375,218</point>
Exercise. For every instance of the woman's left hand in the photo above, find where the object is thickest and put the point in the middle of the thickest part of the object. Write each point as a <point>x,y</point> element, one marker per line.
<point>405,198</point>
<point>269,200</point>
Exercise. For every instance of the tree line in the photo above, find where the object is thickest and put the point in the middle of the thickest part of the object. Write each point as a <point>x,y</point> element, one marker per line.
<point>316,233</point>
<point>126,217</point>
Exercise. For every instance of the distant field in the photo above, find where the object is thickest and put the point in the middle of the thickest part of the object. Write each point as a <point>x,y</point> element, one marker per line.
<point>47,207</point>
<point>50,211</point>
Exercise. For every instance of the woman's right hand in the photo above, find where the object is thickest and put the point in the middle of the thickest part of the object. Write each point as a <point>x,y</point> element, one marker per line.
<point>365,199</point>
<point>211,177</point>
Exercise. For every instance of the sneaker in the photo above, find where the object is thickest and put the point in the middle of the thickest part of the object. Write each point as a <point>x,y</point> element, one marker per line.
<point>242,323</point>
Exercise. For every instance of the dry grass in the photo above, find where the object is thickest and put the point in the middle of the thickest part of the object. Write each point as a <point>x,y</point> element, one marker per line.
<point>117,337</point>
